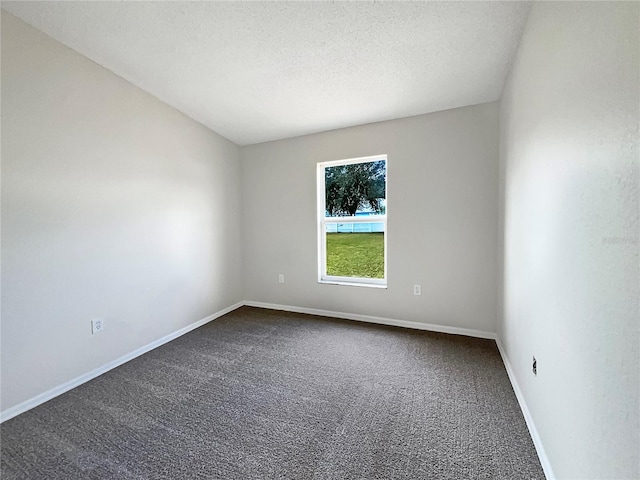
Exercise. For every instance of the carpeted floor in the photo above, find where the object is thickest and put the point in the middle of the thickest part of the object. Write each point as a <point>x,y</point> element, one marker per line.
<point>261,394</point>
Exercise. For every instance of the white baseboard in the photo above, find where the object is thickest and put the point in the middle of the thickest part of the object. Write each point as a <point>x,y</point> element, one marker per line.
<point>65,387</point>
<point>544,460</point>
<point>537,441</point>
<point>380,320</point>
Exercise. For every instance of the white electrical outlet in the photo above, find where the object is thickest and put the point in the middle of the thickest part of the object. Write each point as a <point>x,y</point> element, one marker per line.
<point>97,325</point>
<point>417,290</point>
<point>281,278</point>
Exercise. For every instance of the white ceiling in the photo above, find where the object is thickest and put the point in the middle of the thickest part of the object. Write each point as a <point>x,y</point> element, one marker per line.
<point>262,71</point>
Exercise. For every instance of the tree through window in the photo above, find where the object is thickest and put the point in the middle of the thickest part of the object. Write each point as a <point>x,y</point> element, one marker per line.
<point>352,213</point>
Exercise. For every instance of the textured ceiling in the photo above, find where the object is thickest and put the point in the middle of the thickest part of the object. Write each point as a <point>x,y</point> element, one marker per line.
<point>262,71</point>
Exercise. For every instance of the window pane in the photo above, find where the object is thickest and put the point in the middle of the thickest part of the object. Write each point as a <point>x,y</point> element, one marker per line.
<point>355,249</point>
<point>355,189</point>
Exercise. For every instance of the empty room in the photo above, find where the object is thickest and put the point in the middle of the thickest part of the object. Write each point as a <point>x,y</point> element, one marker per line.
<point>369,240</point>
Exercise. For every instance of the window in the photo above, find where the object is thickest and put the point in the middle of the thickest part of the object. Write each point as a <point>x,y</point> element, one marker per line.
<point>352,221</point>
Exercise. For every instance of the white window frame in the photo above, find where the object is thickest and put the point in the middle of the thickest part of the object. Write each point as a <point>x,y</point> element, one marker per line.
<point>323,220</point>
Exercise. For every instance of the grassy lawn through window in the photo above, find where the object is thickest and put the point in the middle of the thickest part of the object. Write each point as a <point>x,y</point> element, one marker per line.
<point>355,255</point>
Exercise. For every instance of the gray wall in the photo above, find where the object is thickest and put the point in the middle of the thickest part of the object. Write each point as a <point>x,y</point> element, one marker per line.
<point>442,218</point>
<point>114,205</point>
<point>569,162</point>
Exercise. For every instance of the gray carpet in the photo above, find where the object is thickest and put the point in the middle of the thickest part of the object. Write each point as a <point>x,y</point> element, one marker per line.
<point>261,394</point>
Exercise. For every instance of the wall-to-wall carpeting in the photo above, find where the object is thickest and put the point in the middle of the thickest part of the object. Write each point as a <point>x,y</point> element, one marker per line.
<point>261,394</point>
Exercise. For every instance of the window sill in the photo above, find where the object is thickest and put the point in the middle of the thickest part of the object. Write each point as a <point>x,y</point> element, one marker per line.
<point>353,284</point>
